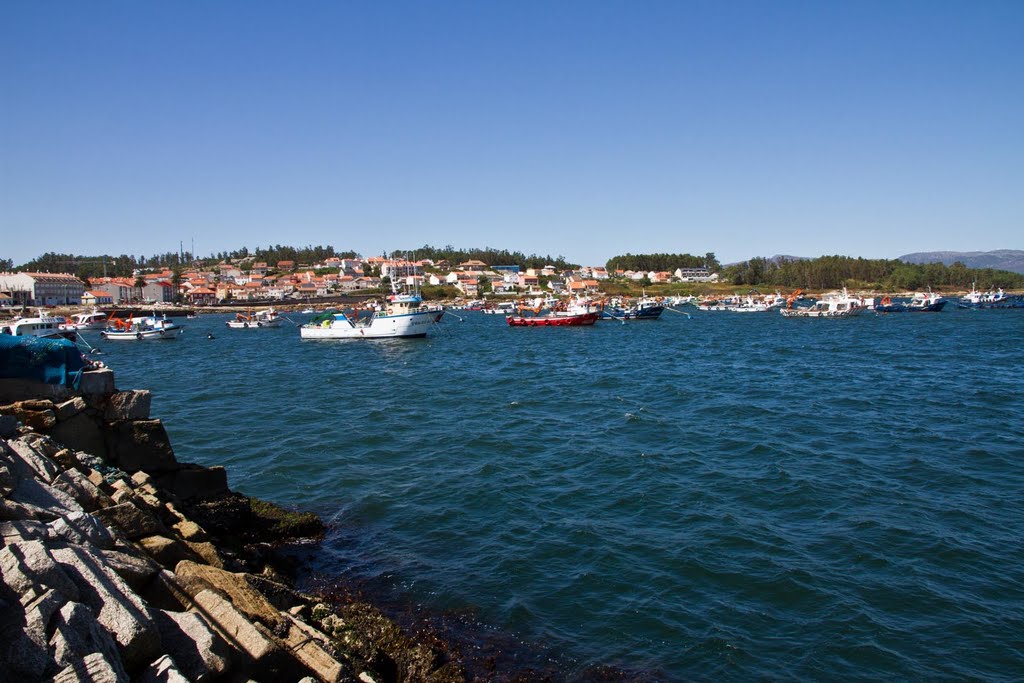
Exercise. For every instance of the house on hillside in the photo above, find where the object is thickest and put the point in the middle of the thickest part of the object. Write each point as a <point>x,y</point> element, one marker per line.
<point>44,289</point>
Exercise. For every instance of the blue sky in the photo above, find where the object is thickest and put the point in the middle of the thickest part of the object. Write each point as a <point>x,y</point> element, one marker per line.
<point>586,129</point>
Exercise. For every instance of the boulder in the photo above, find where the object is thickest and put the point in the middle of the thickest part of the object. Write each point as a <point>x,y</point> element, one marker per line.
<point>81,488</point>
<point>77,634</point>
<point>28,568</point>
<point>39,495</point>
<point>81,433</point>
<point>312,649</point>
<point>130,519</point>
<point>15,511</point>
<point>69,409</point>
<point>23,530</point>
<point>8,478</point>
<point>28,461</point>
<point>135,445</point>
<point>128,405</point>
<point>196,578</point>
<point>163,670</point>
<point>167,551</point>
<point>93,668</point>
<point>135,570</point>
<point>237,629</point>
<point>195,481</point>
<point>200,652</point>
<point>24,653</point>
<point>37,414</point>
<point>190,531</point>
<point>118,608</point>
<point>208,552</point>
<point>81,528</point>
<point>8,426</point>
<point>97,383</point>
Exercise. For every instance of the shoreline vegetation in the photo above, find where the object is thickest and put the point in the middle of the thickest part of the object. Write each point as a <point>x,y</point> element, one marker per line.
<point>883,276</point>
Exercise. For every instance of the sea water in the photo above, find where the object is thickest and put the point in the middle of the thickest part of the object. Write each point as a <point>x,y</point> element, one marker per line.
<point>706,495</point>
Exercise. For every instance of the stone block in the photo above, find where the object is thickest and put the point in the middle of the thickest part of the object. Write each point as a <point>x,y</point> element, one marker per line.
<point>165,592</point>
<point>93,668</point>
<point>118,608</point>
<point>190,531</point>
<point>54,501</point>
<point>37,414</point>
<point>197,577</point>
<point>8,478</point>
<point>29,462</point>
<point>135,570</point>
<point>14,511</point>
<point>24,653</point>
<point>208,552</point>
<point>239,632</point>
<point>310,648</point>
<point>23,530</point>
<point>163,670</point>
<point>23,389</point>
<point>131,520</point>
<point>195,481</point>
<point>81,488</point>
<point>167,551</point>
<point>81,433</point>
<point>8,426</point>
<point>128,405</point>
<point>76,634</point>
<point>69,409</point>
<point>29,568</point>
<point>200,652</point>
<point>81,528</point>
<point>135,445</point>
<point>97,382</point>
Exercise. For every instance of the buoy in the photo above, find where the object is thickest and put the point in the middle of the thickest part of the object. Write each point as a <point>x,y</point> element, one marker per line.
<point>210,336</point>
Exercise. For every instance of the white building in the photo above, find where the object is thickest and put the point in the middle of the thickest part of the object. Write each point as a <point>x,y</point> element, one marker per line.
<point>43,289</point>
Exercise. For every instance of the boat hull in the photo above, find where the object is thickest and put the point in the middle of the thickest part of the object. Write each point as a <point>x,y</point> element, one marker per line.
<point>143,335</point>
<point>553,320</point>
<point>809,313</point>
<point>406,326</point>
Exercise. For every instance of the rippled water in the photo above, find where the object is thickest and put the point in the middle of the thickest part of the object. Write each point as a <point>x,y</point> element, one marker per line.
<point>724,496</point>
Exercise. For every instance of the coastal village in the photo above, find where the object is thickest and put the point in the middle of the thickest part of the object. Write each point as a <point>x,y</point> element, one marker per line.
<point>241,281</point>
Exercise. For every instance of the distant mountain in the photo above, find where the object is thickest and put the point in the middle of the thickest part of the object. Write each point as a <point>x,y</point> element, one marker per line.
<point>1001,259</point>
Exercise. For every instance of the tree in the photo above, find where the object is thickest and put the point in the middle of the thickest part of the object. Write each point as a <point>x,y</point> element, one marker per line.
<point>140,283</point>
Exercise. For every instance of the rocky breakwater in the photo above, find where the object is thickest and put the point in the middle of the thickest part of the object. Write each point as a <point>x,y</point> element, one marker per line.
<point>119,563</point>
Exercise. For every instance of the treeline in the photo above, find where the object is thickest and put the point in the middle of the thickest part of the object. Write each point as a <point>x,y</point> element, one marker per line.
<point>272,254</point>
<point>829,272</point>
<point>662,262</point>
<point>490,256</point>
<point>88,267</point>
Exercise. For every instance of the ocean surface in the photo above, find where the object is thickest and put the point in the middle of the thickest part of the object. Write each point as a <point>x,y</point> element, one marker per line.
<point>714,496</point>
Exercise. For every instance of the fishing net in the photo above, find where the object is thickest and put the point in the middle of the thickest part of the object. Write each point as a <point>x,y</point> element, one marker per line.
<point>52,361</point>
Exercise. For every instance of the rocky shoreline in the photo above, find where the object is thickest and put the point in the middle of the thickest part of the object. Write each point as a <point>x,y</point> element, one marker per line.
<point>121,564</point>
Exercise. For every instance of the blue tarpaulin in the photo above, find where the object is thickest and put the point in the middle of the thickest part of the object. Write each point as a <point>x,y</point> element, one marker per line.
<point>53,361</point>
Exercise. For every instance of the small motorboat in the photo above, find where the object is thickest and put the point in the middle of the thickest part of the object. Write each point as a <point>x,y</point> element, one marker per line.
<point>141,329</point>
<point>265,318</point>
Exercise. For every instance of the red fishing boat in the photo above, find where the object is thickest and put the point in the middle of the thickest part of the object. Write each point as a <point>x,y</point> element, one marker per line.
<point>553,320</point>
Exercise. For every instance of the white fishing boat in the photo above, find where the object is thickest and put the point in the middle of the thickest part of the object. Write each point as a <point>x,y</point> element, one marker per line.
<point>259,319</point>
<point>141,329</point>
<point>403,315</point>
<point>837,306</point>
<point>42,325</point>
<point>94,320</point>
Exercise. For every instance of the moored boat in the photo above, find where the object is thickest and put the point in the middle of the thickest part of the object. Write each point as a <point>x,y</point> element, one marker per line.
<point>259,319</point>
<point>553,320</point>
<point>42,325</point>
<point>990,299</point>
<point>94,320</point>
<point>837,306</point>
<point>141,329</point>
<point>404,315</point>
<point>921,302</point>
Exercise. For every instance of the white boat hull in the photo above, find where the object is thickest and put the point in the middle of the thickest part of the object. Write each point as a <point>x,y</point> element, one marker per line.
<point>378,327</point>
<point>237,325</point>
<point>143,335</point>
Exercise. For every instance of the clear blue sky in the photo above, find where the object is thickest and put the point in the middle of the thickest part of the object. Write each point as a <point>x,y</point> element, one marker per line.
<point>586,129</point>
